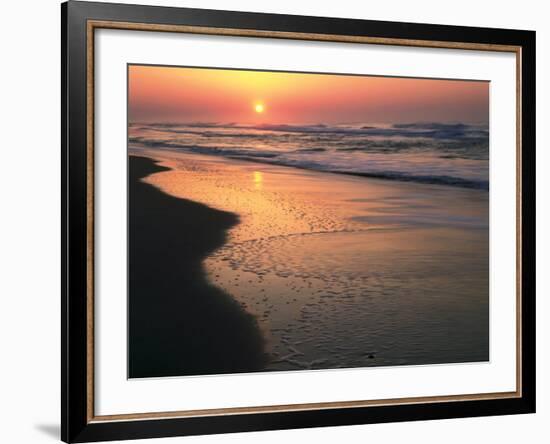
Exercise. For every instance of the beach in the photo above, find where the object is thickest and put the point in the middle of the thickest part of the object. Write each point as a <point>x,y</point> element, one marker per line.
<point>179,322</point>
<point>241,266</point>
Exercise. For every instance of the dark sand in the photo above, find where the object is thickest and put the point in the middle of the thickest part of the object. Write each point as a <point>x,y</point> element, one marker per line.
<point>179,324</point>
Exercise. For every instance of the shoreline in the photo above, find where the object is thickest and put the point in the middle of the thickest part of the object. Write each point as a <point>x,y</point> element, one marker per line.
<point>453,182</point>
<point>179,323</point>
<point>317,255</point>
<point>444,181</point>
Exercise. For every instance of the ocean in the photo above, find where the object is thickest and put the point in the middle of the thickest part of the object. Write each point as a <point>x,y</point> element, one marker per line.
<point>455,154</point>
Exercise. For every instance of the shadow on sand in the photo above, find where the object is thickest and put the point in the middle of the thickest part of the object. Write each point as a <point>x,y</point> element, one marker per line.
<point>179,323</point>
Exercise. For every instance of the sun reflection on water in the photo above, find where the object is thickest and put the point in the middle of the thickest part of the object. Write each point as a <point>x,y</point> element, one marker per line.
<point>258,179</point>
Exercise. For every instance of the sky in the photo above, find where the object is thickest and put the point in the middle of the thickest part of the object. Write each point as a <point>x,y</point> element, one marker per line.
<point>178,94</point>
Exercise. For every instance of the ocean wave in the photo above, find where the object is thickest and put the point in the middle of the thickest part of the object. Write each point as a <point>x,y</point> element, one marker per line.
<point>454,154</point>
<point>427,130</point>
<point>388,175</point>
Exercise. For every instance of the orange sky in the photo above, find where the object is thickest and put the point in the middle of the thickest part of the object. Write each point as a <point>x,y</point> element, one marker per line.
<point>174,94</point>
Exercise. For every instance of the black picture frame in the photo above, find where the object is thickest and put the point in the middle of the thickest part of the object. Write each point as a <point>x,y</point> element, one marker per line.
<point>76,423</point>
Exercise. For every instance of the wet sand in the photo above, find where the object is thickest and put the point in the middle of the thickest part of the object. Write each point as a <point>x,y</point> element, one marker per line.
<point>179,323</point>
<point>331,270</point>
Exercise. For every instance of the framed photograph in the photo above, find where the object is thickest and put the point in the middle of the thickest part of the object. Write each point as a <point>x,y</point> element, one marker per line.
<point>275,221</point>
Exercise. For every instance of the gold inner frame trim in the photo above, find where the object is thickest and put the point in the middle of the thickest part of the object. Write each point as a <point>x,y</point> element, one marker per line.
<point>96,24</point>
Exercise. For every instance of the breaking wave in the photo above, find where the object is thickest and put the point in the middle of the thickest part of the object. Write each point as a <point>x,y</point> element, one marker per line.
<point>455,154</point>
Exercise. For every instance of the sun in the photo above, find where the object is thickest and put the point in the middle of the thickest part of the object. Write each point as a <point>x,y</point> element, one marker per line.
<point>259,108</point>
